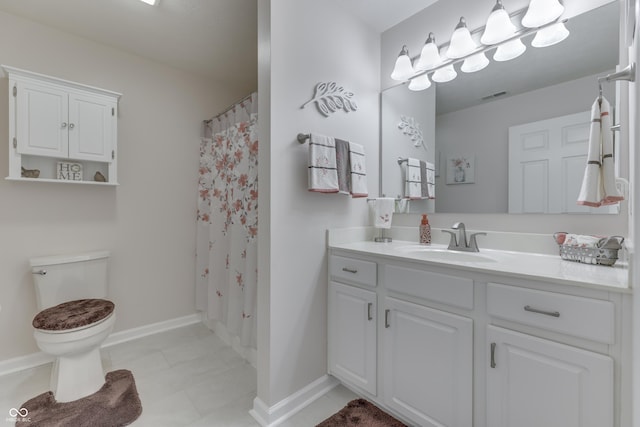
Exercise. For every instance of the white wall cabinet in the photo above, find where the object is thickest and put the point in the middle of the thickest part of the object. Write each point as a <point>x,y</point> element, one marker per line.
<point>53,120</point>
<point>456,349</point>
<point>428,364</point>
<point>534,382</point>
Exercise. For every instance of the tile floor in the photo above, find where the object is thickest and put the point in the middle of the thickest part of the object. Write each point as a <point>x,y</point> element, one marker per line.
<point>185,377</point>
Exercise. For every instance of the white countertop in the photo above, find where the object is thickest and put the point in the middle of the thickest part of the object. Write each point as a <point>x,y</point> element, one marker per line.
<point>505,263</point>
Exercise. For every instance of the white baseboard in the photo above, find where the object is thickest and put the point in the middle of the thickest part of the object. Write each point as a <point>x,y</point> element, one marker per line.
<point>33,360</point>
<point>281,411</point>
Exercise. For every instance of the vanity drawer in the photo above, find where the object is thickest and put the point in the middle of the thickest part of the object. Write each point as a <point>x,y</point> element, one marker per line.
<point>353,270</point>
<point>578,316</point>
<point>442,288</point>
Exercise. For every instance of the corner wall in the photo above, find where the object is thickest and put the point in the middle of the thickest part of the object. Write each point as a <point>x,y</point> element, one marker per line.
<point>302,43</point>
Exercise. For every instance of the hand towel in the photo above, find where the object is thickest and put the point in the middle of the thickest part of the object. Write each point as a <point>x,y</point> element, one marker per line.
<point>424,191</point>
<point>382,211</point>
<point>611,194</point>
<point>343,166</point>
<point>323,175</point>
<point>413,183</point>
<point>358,170</point>
<point>592,190</point>
<point>431,180</point>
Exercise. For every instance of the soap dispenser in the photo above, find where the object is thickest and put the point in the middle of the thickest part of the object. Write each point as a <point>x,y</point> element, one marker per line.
<point>425,230</point>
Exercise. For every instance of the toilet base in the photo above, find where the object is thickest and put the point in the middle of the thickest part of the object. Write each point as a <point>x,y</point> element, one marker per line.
<point>77,375</point>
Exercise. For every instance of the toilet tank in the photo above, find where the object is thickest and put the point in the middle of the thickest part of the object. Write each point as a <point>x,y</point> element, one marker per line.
<point>62,278</point>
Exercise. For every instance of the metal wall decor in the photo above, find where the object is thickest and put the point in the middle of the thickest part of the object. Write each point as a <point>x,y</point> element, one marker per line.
<point>411,128</point>
<point>329,98</point>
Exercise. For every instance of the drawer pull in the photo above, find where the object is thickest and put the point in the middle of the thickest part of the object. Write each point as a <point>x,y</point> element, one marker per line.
<point>493,355</point>
<point>546,313</point>
<point>369,307</point>
<point>386,318</point>
<point>349,270</point>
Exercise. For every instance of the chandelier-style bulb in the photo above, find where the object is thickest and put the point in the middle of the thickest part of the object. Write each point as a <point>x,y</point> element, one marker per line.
<point>550,35</point>
<point>509,50</point>
<point>461,43</point>
<point>499,26</point>
<point>542,12</point>
<point>429,57</point>
<point>403,68</point>
<point>420,83</point>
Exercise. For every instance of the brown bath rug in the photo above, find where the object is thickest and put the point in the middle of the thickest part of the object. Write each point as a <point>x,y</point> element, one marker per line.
<point>115,404</point>
<point>361,413</point>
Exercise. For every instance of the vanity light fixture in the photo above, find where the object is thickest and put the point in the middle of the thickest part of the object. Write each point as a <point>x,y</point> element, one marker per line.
<point>461,43</point>
<point>499,34</point>
<point>541,12</point>
<point>430,56</point>
<point>499,26</point>
<point>403,68</point>
<point>550,35</point>
<point>150,2</point>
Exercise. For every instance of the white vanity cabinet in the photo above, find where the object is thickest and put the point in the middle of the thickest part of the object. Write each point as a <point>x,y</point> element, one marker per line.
<point>428,364</point>
<point>455,347</point>
<point>533,381</point>
<point>352,323</point>
<point>60,128</point>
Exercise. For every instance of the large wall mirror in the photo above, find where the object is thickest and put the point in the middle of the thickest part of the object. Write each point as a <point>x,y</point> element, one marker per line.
<point>470,120</point>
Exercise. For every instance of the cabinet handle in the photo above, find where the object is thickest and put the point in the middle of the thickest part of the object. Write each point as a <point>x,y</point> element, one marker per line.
<point>386,318</point>
<point>546,313</point>
<point>349,270</point>
<point>369,307</point>
<point>64,125</point>
<point>493,355</point>
<point>71,125</point>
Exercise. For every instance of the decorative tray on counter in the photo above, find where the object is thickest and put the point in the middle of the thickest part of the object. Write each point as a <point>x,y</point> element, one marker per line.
<point>589,249</point>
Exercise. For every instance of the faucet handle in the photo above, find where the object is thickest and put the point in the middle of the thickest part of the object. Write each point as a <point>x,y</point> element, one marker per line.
<point>473,244</point>
<point>453,243</point>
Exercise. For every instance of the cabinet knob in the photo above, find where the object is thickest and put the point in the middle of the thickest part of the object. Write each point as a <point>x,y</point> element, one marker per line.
<point>71,125</point>
<point>64,125</point>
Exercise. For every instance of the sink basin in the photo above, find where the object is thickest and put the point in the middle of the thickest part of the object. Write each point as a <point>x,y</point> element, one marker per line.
<point>439,254</point>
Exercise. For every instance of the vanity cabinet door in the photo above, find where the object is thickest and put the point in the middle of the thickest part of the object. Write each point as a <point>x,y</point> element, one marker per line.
<point>41,124</point>
<point>428,364</point>
<point>533,382</point>
<point>352,335</point>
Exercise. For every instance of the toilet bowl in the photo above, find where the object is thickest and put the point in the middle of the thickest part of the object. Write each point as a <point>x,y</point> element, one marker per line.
<point>74,320</point>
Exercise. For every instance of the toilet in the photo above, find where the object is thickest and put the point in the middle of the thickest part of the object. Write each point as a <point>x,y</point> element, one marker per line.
<point>74,320</point>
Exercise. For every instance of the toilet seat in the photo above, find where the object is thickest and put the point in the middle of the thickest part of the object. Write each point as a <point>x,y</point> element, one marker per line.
<point>73,316</point>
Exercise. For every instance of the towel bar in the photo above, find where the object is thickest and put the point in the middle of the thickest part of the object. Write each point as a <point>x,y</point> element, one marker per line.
<point>302,137</point>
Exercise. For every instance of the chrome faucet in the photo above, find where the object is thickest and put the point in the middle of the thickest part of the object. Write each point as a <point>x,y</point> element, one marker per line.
<point>459,242</point>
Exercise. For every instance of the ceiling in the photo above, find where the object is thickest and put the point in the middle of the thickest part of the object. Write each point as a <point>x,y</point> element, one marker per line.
<point>214,38</point>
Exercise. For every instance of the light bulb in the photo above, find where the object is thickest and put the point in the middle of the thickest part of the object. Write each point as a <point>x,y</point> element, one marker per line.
<point>403,68</point>
<point>499,26</point>
<point>550,35</point>
<point>509,50</point>
<point>461,43</point>
<point>542,12</point>
<point>444,74</point>
<point>474,63</point>
<point>429,57</point>
<point>420,83</point>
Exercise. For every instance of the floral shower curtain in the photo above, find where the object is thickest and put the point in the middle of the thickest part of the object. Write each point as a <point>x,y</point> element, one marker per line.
<point>227,225</point>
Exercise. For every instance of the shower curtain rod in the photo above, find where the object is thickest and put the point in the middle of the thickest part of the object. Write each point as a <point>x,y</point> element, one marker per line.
<point>229,108</point>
